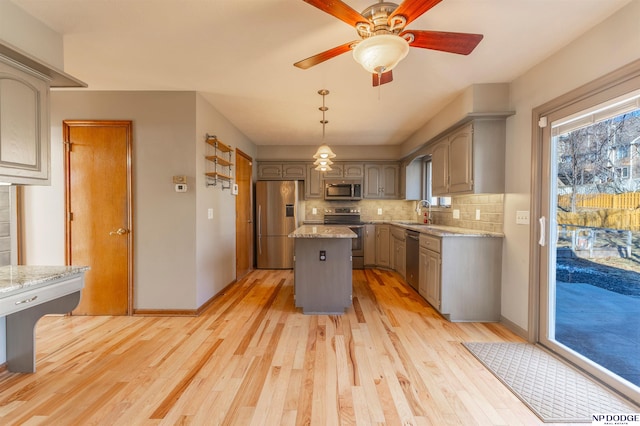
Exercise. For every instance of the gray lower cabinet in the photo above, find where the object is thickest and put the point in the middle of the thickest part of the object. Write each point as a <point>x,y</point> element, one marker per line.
<point>369,238</point>
<point>382,246</point>
<point>460,276</point>
<point>24,126</point>
<point>323,286</point>
<point>398,251</point>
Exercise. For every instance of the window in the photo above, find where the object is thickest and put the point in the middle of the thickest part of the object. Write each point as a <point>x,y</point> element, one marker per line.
<point>427,193</point>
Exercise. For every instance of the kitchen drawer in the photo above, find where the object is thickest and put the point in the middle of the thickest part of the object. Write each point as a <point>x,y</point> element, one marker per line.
<point>26,299</point>
<point>430,242</point>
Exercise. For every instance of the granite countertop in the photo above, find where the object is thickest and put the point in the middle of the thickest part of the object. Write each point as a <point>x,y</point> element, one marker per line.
<point>323,231</point>
<point>445,231</point>
<point>15,278</point>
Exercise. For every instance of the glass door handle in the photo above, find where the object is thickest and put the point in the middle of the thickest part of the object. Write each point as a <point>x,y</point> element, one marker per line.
<point>543,224</point>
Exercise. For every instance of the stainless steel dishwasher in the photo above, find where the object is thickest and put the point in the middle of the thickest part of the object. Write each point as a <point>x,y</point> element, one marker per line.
<point>412,255</point>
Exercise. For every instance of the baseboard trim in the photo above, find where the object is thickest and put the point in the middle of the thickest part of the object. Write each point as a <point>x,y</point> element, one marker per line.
<point>514,328</point>
<point>182,312</point>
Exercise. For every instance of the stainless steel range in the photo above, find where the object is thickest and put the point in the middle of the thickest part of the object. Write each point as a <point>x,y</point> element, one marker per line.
<point>349,216</point>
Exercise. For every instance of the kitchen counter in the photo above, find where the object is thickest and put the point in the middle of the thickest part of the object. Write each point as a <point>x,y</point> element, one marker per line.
<point>444,231</point>
<point>26,294</point>
<point>16,279</point>
<point>322,266</point>
<point>323,231</point>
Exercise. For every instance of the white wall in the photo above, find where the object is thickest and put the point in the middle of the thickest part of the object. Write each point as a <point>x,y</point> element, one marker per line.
<point>25,32</point>
<point>180,258</point>
<point>608,46</point>
<point>215,238</point>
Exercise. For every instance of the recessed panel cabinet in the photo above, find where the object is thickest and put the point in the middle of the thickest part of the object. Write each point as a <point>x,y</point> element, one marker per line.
<point>24,126</point>
<point>382,181</point>
<point>382,246</point>
<point>470,159</point>
<point>369,245</point>
<point>460,276</point>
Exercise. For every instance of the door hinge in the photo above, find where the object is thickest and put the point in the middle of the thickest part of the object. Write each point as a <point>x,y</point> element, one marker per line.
<point>70,216</point>
<point>68,146</point>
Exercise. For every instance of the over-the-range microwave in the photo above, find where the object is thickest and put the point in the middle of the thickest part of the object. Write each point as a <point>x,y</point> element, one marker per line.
<point>342,190</point>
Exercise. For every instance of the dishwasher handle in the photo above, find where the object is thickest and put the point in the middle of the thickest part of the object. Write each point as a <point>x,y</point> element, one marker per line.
<point>413,237</point>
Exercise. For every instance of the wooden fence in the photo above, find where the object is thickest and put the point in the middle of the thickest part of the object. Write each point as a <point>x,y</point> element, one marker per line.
<point>602,218</point>
<point>629,200</point>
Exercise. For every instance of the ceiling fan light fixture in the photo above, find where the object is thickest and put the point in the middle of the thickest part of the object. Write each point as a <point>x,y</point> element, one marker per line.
<point>381,53</point>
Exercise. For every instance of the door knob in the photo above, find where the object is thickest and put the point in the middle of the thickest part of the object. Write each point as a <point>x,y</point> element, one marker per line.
<point>120,231</point>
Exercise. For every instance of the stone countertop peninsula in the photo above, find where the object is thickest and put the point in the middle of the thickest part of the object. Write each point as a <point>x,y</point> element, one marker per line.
<point>323,231</point>
<point>14,279</point>
<point>443,231</point>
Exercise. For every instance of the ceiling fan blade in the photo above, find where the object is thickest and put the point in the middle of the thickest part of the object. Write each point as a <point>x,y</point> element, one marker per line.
<point>460,43</point>
<point>412,9</point>
<point>386,77</point>
<point>321,57</point>
<point>340,10</point>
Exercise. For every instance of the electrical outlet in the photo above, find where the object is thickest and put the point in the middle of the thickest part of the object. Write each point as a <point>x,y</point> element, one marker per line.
<point>379,211</point>
<point>314,211</point>
<point>477,214</point>
<point>522,217</point>
<point>456,214</point>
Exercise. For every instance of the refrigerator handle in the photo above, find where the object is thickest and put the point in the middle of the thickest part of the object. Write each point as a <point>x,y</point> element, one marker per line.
<point>259,229</point>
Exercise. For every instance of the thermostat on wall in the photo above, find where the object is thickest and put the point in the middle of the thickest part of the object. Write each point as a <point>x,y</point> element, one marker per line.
<point>181,187</point>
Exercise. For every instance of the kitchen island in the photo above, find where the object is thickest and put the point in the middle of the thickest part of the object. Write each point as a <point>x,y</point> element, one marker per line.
<point>322,268</point>
<point>26,294</point>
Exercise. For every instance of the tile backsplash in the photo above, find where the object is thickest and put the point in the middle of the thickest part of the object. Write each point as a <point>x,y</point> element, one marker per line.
<point>489,205</point>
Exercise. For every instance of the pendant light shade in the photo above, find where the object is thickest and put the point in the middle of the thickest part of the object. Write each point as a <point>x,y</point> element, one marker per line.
<point>324,152</point>
<point>323,168</point>
<point>381,53</point>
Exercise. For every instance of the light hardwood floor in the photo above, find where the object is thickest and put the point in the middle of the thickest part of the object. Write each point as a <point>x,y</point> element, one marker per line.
<point>252,358</point>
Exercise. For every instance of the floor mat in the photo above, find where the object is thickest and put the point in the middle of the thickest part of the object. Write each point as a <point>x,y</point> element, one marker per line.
<point>553,390</point>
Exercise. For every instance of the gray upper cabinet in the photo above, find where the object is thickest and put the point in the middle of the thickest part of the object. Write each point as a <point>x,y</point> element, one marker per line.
<point>285,171</point>
<point>24,125</point>
<point>382,181</point>
<point>352,170</point>
<point>313,184</point>
<point>470,159</point>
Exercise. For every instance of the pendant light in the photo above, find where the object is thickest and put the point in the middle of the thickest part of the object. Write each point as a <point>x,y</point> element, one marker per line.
<point>324,154</point>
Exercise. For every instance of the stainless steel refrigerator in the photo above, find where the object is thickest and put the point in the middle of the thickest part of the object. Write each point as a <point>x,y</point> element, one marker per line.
<point>277,217</point>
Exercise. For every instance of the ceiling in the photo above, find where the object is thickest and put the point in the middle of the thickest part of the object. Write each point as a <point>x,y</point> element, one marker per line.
<point>239,54</point>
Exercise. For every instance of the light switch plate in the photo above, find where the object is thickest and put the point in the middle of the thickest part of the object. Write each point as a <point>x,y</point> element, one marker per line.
<point>379,210</point>
<point>477,214</point>
<point>456,214</point>
<point>522,217</point>
<point>210,214</point>
<point>314,211</point>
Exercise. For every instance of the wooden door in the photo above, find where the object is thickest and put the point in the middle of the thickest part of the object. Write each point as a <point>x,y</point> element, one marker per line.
<point>244,214</point>
<point>99,214</point>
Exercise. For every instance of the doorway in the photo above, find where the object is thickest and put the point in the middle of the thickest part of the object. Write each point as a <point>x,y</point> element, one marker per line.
<point>244,214</point>
<point>586,253</point>
<point>99,226</point>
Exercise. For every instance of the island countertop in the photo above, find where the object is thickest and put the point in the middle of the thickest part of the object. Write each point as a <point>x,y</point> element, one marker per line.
<point>323,231</point>
<point>14,279</point>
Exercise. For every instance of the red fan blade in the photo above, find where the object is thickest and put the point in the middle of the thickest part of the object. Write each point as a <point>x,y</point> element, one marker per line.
<point>321,57</point>
<point>460,43</point>
<point>387,77</point>
<point>340,10</point>
<point>412,9</point>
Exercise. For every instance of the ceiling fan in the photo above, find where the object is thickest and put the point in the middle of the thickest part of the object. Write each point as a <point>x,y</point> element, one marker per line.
<point>384,39</point>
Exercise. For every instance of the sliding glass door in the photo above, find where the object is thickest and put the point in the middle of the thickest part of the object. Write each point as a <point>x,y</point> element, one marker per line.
<point>589,239</point>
